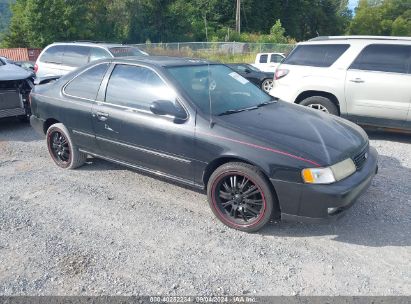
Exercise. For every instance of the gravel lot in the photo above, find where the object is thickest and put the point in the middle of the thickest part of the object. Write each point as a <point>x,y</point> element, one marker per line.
<point>105,229</point>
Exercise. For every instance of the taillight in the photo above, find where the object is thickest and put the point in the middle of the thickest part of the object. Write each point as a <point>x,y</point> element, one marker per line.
<point>280,73</point>
<point>36,68</point>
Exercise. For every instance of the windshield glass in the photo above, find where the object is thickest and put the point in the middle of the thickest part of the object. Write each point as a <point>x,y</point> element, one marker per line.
<point>126,51</point>
<point>253,68</point>
<point>227,90</point>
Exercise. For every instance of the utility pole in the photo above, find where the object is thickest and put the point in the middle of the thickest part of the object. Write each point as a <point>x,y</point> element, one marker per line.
<point>238,17</point>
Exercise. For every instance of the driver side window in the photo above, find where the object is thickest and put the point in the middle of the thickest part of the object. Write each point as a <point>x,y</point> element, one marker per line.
<point>136,87</point>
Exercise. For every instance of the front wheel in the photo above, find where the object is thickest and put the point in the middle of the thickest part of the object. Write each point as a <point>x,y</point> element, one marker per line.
<point>241,197</point>
<point>62,149</point>
<point>267,85</point>
<point>320,103</point>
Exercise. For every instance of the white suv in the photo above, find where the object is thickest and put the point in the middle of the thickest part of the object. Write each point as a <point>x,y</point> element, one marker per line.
<point>60,58</point>
<point>362,78</point>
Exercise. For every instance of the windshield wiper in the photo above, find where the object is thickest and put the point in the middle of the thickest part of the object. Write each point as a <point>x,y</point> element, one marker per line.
<point>228,112</point>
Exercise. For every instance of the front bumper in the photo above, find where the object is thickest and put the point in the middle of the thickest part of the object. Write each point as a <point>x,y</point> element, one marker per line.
<point>313,203</point>
<point>282,92</point>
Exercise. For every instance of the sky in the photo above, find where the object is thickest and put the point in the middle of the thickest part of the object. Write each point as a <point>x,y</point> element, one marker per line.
<point>352,4</point>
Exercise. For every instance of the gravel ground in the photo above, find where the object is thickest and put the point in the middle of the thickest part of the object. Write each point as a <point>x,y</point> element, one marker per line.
<point>105,229</point>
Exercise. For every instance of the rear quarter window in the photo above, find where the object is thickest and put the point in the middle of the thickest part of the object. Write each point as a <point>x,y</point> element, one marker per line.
<point>320,55</point>
<point>53,54</point>
<point>384,58</point>
<point>87,84</point>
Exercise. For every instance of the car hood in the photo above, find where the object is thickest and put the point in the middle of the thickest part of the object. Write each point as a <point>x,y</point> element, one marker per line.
<point>13,72</point>
<point>303,132</point>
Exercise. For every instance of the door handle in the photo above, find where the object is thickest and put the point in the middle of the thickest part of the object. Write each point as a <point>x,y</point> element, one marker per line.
<point>357,80</point>
<point>102,116</point>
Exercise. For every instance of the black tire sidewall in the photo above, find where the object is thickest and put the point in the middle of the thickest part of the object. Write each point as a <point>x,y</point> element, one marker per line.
<point>258,179</point>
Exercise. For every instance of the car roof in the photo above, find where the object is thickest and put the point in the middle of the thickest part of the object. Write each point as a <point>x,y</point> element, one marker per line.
<point>163,61</point>
<point>360,37</point>
<point>91,43</point>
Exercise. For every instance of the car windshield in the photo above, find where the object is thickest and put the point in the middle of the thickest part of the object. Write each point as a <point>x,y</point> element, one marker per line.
<point>253,68</point>
<point>125,51</point>
<point>218,85</point>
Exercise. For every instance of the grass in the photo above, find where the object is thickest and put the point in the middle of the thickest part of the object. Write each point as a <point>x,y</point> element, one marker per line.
<point>205,54</point>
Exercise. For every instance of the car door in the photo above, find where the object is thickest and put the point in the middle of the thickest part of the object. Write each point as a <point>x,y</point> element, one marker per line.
<point>81,92</point>
<point>262,62</point>
<point>50,61</point>
<point>127,131</point>
<point>74,56</point>
<point>377,85</point>
<point>275,60</point>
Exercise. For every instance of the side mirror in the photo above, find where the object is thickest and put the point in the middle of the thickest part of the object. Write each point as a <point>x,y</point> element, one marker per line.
<point>166,107</point>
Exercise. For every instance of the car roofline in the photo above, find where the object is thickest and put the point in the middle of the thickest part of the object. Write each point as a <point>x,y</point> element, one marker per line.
<point>94,44</point>
<point>360,37</point>
<point>163,61</point>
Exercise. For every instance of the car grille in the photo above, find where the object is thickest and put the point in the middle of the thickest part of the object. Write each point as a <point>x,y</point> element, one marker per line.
<point>360,159</point>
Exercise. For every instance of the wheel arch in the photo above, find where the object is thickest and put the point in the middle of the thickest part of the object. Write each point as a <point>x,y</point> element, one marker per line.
<point>48,123</point>
<point>311,93</point>
<point>212,166</point>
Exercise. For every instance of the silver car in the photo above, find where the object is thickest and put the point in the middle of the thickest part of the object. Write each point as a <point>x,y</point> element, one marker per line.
<point>58,59</point>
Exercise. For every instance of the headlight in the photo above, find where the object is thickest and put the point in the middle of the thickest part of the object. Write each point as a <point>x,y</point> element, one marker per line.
<point>329,175</point>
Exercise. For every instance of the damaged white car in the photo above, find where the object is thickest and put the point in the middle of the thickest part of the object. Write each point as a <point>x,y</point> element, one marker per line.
<point>15,86</point>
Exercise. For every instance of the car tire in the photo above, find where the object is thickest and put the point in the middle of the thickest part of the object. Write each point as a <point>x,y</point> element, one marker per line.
<point>62,150</point>
<point>320,103</point>
<point>267,85</point>
<point>241,197</point>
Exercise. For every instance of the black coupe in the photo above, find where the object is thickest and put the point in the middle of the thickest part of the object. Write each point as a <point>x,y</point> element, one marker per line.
<point>204,125</point>
<point>263,80</point>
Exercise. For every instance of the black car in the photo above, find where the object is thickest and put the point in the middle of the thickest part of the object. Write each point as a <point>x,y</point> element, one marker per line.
<point>201,124</point>
<point>15,86</point>
<point>263,80</point>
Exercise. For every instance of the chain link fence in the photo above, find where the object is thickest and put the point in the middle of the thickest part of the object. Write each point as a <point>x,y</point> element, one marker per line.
<point>220,51</point>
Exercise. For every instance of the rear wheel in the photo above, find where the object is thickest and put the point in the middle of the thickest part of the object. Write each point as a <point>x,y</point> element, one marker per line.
<point>62,149</point>
<point>267,85</point>
<point>241,197</point>
<point>320,103</point>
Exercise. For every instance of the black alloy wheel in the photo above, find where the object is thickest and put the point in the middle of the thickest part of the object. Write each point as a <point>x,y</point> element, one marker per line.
<point>240,197</point>
<point>62,150</point>
<point>59,148</point>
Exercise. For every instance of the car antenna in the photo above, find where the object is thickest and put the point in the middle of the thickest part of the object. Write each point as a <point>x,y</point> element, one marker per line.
<point>209,95</point>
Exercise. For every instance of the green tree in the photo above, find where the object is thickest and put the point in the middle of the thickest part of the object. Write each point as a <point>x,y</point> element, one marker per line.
<point>382,17</point>
<point>37,23</point>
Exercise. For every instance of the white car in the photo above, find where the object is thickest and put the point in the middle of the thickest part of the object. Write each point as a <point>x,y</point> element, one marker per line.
<point>363,78</point>
<point>59,59</point>
<point>268,62</point>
